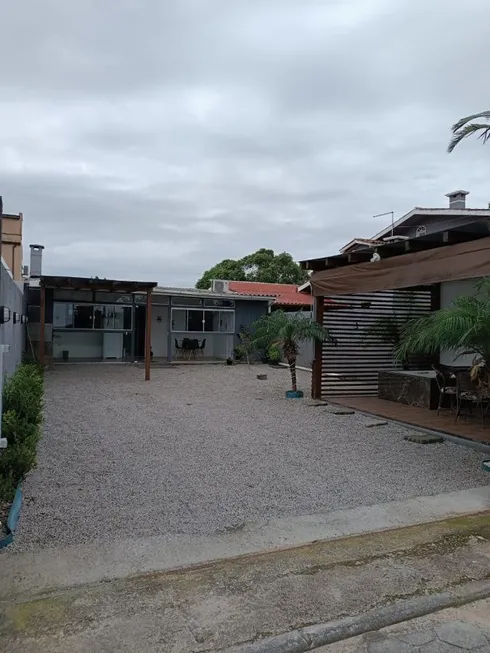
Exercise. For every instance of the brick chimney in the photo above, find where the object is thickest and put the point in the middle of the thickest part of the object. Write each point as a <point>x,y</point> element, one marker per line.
<point>457,199</point>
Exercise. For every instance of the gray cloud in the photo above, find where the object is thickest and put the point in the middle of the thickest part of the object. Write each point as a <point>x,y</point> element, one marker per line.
<point>152,139</point>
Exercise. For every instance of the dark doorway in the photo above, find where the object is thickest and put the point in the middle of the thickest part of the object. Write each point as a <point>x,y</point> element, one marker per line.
<point>139,331</point>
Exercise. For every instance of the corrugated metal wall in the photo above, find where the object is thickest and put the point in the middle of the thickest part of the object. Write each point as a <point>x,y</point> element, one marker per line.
<point>350,366</point>
<point>246,313</point>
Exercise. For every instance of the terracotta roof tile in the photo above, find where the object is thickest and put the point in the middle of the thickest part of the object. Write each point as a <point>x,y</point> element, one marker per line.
<point>284,293</point>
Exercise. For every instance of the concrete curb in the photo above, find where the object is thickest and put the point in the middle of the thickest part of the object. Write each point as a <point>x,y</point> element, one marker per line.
<point>13,518</point>
<point>311,637</point>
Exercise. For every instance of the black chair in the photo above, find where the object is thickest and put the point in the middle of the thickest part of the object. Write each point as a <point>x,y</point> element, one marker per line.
<point>467,399</point>
<point>446,382</point>
<point>193,347</point>
<point>201,348</point>
<point>178,349</point>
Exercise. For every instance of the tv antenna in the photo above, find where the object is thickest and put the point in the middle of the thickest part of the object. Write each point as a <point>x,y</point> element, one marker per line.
<point>392,213</point>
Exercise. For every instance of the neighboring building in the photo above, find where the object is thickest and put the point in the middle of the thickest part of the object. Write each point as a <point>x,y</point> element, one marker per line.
<point>90,319</point>
<point>12,243</point>
<point>286,296</point>
<point>425,272</point>
<point>423,222</point>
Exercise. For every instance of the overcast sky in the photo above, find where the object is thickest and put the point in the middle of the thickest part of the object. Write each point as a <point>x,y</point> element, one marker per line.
<point>149,139</point>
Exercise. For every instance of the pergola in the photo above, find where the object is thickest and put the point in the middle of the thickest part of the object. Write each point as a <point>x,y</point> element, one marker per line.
<point>99,285</point>
<point>456,253</point>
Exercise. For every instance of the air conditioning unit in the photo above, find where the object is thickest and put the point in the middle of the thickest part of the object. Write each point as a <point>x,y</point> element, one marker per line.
<point>219,286</point>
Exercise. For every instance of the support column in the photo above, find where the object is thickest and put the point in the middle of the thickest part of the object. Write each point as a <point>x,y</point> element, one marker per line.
<point>316,377</point>
<point>42,325</point>
<point>148,335</point>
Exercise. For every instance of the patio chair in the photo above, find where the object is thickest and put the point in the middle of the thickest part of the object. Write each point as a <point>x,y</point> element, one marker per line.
<point>445,380</point>
<point>201,348</point>
<point>467,398</point>
<point>178,349</point>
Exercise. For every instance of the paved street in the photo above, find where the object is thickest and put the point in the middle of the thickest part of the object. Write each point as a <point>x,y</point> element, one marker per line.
<point>451,631</point>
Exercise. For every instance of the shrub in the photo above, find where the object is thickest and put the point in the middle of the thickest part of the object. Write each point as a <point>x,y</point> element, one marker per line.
<point>21,425</point>
<point>274,355</point>
<point>23,394</point>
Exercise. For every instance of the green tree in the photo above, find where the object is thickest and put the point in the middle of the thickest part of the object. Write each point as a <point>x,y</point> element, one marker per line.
<point>466,127</point>
<point>464,327</point>
<point>263,265</point>
<point>287,332</point>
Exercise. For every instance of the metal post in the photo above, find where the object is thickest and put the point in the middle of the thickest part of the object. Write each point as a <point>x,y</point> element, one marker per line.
<point>148,335</point>
<point>133,327</point>
<point>42,320</point>
<point>316,377</point>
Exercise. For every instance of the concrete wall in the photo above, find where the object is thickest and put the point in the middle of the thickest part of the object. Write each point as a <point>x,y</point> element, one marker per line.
<point>450,290</point>
<point>12,334</point>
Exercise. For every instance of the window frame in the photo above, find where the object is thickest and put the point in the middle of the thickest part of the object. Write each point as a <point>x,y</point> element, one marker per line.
<point>203,311</point>
<point>105,308</point>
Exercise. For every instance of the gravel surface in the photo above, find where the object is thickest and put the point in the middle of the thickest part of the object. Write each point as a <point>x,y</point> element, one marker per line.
<point>204,449</point>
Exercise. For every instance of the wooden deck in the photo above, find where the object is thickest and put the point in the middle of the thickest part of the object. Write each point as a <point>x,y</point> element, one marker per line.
<point>428,419</point>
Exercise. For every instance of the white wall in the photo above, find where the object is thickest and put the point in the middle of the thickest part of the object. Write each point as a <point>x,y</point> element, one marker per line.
<point>449,291</point>
<point>79,344</point>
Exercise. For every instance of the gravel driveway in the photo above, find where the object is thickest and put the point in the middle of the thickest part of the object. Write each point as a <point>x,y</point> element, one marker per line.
<point>204,449</point>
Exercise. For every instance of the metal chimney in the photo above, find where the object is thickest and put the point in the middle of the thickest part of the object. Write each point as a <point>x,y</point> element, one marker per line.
<point>36,260</point>
<point>457,199</point>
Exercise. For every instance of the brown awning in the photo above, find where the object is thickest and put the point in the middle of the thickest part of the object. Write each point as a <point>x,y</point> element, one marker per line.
<point>462,261</point>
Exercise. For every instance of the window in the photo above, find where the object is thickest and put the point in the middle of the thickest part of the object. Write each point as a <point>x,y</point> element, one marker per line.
<point>63,315</point>
<point>73,295</point>
<point>186,301</point>
<point>223,303</point>
<point>195,321</point>
<point>117,298</point>
<point>211,321</point>
<point>199,321</point>
<point>122,317</point>
<point>90,316</point>
<point>83,316</point>
<point>420,231</point>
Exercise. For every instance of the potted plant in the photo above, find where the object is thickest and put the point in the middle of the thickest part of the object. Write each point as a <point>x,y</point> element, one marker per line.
<point>286,331</point>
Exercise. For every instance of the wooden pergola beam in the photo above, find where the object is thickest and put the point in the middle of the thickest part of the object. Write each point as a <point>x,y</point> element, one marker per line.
<point>148,335</point>
<point>316,377</point>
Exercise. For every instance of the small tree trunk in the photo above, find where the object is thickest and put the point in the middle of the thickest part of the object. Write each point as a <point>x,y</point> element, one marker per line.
<point>292,370</point>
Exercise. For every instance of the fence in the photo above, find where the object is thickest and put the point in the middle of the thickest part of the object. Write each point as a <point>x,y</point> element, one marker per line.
<point>351,364</point>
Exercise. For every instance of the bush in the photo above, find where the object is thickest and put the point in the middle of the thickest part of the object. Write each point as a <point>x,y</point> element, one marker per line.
<point>274,355</point>
<point>21,425</point>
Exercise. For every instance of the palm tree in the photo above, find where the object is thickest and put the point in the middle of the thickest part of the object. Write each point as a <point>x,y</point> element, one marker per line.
<point>464,326</point>
<point>287,331</point>
<point>389,328</point>
<point>465,127</point>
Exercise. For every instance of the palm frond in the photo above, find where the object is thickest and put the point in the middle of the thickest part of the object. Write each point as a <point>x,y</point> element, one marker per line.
<point>465,127</point>
<point>462,327</point>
